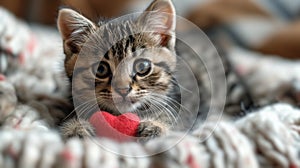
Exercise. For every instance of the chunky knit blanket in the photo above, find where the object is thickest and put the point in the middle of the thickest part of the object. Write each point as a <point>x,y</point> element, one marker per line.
<point>269,137</point>
<point>266,138</point>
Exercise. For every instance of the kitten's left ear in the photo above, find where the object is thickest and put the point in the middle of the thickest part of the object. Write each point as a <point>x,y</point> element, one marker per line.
<point>70,22</point>
<point>160,17</point>
<point>73,28</point>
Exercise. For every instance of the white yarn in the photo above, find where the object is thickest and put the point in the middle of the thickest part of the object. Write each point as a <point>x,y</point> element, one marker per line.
<point>25,118</point>
<point>272,134</point>
<point>227,146</point>
<point>265,74</point>
<point>265,138</point>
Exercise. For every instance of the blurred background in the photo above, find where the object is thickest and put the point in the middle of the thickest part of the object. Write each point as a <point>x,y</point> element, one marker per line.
<point>45,11</point>
<point>267,26</point>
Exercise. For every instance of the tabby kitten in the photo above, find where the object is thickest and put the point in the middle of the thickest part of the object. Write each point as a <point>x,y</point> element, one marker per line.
<point>131,68</point>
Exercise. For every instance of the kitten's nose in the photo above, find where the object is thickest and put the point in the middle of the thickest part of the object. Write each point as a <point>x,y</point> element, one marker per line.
<point>123,91</point>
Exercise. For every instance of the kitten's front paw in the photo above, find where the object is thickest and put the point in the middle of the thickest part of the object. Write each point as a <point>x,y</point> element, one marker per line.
<point>77,128</point>
<point>148,130</point>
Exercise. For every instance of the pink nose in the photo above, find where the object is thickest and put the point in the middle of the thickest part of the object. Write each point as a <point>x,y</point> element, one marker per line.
<point>123,91</point>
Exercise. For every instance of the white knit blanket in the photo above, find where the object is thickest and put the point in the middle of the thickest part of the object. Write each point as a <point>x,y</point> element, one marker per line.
<point>266,138</point>
<point>269,137</point>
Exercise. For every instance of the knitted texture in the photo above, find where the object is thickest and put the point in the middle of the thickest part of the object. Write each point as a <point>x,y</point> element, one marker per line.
<point>30,59</point>
<point>266,138</point>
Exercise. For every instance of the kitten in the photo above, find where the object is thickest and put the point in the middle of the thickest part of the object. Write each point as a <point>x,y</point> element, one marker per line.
<point>136,70</point>
<point>126,71</point>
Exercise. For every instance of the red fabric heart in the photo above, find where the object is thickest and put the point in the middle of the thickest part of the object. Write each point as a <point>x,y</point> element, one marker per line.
<point>121,128</point>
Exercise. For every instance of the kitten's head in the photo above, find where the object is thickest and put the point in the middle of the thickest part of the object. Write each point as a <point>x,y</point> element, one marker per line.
<point>133,59</point>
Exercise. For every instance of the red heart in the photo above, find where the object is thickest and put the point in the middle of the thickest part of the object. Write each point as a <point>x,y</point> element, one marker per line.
<point>122,128</point>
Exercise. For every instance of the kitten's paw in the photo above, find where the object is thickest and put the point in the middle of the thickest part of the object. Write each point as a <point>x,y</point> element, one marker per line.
<point>148,130</point>
<point>77,128</point>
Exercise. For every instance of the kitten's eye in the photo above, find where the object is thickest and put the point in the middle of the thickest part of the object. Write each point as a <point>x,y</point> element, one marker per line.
<point>103,70</point>
<point>142,67</point>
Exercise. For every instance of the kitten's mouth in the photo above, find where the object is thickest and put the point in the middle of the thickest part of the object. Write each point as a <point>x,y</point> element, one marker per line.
<point>125,104</point>
<point>119,105</point>
<point>124,100</point>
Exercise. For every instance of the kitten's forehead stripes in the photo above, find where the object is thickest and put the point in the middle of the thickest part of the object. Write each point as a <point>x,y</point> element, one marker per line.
<point>122,38</point>
<point>106,56</point>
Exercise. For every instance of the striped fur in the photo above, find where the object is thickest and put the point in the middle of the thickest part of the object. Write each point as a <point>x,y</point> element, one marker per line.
<point>119,46</point>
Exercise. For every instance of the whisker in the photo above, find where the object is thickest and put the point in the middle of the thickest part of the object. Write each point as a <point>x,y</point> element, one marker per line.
<point>162,108</point>
<point>77,107</point>
<point>180,86</point>
<point>171,100</point>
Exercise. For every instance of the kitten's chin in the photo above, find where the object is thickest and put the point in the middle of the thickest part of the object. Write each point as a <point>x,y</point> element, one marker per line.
<point>120,108</point>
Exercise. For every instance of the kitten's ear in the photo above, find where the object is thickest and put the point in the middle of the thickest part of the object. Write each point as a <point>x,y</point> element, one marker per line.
<point>73,28</point>
<point>160,17</point>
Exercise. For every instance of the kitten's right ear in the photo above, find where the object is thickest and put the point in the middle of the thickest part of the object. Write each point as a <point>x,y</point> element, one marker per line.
<point>73,28</point>
<point>160,17</point>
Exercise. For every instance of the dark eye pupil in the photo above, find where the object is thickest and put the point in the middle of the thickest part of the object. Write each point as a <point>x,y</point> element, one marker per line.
<point>103,70</point>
